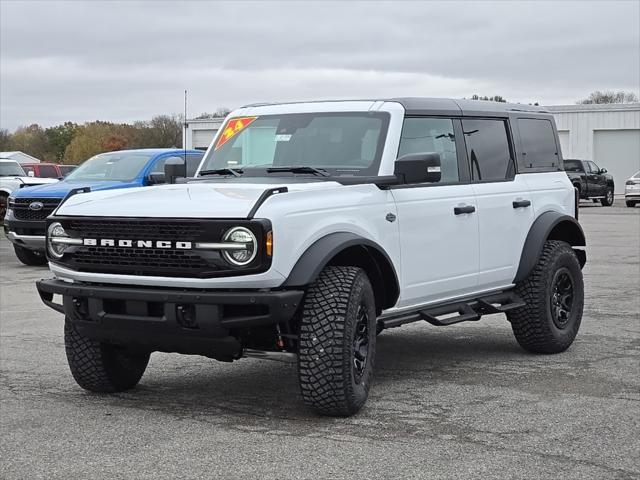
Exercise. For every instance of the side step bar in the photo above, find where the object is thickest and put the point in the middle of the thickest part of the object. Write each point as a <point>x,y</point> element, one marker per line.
<point>468,311</point>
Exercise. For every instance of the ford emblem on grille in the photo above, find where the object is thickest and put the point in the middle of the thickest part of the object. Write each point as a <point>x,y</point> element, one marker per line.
<point>36,206</point>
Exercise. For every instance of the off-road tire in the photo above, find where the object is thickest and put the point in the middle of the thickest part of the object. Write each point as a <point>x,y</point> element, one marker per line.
<point>608,199</point>
<point>29,257</point>
<point>3,205</point>
<point>533,325</point>
<point>101,367</point>
<point>631,203</point>
<point>329,379</point>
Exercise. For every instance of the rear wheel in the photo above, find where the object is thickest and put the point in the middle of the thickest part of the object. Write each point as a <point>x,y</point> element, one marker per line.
<point>607,201</point>
<point>554,296</point>
<point>102,367</point>
<point>30,257</point>
<point>337,342</point>
<point>630,203</point>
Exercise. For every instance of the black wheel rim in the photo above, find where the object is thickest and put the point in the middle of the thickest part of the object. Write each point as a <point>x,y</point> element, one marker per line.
<point>562,298</point>
<point>360,344</point>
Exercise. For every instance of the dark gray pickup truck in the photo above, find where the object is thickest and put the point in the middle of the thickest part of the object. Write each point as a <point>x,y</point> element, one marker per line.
<point>592,182</point>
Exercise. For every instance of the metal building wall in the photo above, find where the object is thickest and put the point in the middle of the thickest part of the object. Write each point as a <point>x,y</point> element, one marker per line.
<point>581,120</point>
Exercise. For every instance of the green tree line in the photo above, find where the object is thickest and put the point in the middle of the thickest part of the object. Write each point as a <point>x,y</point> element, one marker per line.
<point>72,143</point>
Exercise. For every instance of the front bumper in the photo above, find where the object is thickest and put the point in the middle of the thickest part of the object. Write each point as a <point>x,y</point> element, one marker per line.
<point>199,322</point>
<point>27,234</point>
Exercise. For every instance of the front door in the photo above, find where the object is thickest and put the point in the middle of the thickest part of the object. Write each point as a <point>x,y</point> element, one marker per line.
<point>597,181</point>
<point>438,240</point>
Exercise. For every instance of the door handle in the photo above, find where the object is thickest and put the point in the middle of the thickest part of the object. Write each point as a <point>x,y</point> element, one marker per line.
<point>465,209</point>
<point>521,203</point>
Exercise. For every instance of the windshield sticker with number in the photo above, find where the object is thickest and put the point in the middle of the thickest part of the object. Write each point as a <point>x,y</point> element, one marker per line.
<point>232,128</point>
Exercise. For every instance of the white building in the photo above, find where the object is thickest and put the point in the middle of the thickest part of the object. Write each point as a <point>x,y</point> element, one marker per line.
<point>608,134</point>
<point>19,157</point>
<point>200,132</point>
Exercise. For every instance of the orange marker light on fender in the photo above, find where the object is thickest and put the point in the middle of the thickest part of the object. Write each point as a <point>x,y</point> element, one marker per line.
<point>232,128</point>
<point>269,244</point>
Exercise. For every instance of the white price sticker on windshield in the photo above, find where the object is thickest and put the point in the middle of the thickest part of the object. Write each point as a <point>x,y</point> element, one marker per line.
<point>283,138</point>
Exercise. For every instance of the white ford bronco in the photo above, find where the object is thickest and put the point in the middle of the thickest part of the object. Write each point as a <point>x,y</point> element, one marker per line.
<point>312,227</point>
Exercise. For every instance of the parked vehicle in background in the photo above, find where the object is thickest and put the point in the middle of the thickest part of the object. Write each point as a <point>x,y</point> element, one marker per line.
<point>632,190</point>
<point>310,228</point>
<point>27,210</point>
<point>47,170</point>
<point>12,178</point>
<point>592,182</point>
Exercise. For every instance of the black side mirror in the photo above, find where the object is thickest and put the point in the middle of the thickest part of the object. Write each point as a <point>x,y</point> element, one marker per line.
<point>603,170</point>
<point>418,168</point>
<point>156,178</point>
<point>174,168</point>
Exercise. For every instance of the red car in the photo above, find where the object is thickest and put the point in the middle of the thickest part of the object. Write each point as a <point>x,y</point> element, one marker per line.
<point>47,170</point>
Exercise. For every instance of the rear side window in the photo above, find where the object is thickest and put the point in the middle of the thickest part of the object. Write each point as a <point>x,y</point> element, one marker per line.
<point>573,166</point>
<point>48,171</point>
<point>539,148</point>
<point>488,149</point>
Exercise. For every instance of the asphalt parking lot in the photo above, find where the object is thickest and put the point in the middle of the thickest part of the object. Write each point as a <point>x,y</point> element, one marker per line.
<point>455,402</point>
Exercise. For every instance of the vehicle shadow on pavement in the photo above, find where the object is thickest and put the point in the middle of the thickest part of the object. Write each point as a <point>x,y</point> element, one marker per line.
<point>197,388</point>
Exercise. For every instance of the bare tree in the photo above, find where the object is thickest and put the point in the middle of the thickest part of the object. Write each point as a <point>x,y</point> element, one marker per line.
<point>609,96</point>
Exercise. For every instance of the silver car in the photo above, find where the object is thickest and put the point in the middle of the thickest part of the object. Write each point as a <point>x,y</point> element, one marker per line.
<point>632,190</point>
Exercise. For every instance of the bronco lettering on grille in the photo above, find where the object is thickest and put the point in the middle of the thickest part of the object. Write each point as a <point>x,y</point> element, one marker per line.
<point>110,242</point>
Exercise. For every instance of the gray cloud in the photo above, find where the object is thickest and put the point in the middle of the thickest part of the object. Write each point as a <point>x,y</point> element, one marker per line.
<point>123,61</point>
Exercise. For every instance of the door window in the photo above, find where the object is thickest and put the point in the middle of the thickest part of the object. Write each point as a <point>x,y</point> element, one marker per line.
<point>192,164</point>
<point>488,149</point>
<point>432,135</point>
<point>593,168</point>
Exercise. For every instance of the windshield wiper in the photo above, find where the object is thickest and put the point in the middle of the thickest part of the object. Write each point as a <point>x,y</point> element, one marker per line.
<point>222,171</point>
<point>300,169</point>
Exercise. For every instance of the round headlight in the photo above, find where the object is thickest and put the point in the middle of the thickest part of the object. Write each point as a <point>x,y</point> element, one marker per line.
<point>55,231</point>
<point>247,246</point>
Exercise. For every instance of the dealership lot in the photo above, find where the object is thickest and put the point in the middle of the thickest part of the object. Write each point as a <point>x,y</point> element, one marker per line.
<point>454,402</point>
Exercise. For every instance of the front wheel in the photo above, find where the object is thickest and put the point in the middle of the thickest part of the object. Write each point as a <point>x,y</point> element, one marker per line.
<point>554,297</point>
<point>630,203</point>
<point>607,201</point>
<point>30,257</point>
<point>337,342</point>
<point>102,367</point>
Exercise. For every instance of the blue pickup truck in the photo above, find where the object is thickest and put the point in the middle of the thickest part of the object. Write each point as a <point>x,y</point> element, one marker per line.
<point>27,209</point>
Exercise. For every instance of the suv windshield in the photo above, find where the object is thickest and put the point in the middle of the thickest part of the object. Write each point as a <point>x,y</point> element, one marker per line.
<point>114,166</point>
<point>11,169</point>
<point>339,143</point>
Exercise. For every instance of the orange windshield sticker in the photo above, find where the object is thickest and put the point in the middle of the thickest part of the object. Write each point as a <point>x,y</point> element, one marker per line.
<point>232,128</point>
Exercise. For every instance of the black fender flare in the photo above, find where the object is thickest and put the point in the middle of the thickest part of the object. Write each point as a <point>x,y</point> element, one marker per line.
<point>325,249</point>
<point>549,225</point>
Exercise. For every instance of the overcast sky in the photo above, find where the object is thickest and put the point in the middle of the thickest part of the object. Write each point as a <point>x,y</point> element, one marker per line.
<point>125,61</point>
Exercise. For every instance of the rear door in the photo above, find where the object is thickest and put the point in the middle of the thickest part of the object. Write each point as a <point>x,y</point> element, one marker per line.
<point>439,244</point>
<point>504,205</point>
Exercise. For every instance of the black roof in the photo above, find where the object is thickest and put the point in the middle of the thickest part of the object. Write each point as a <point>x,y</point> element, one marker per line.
<point>441,106</point>
<point>449,106</point>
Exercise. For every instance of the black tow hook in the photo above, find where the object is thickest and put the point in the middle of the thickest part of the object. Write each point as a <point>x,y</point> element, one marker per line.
<point>186,316</point>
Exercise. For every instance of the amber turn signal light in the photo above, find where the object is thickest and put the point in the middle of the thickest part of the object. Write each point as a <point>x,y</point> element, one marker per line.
<point>269,243</point>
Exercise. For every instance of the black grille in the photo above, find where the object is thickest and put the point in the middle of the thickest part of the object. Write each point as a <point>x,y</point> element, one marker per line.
<point>134,259</point>
<point>137,229</point>
<point>22,211</point>
<point>176,262</point>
